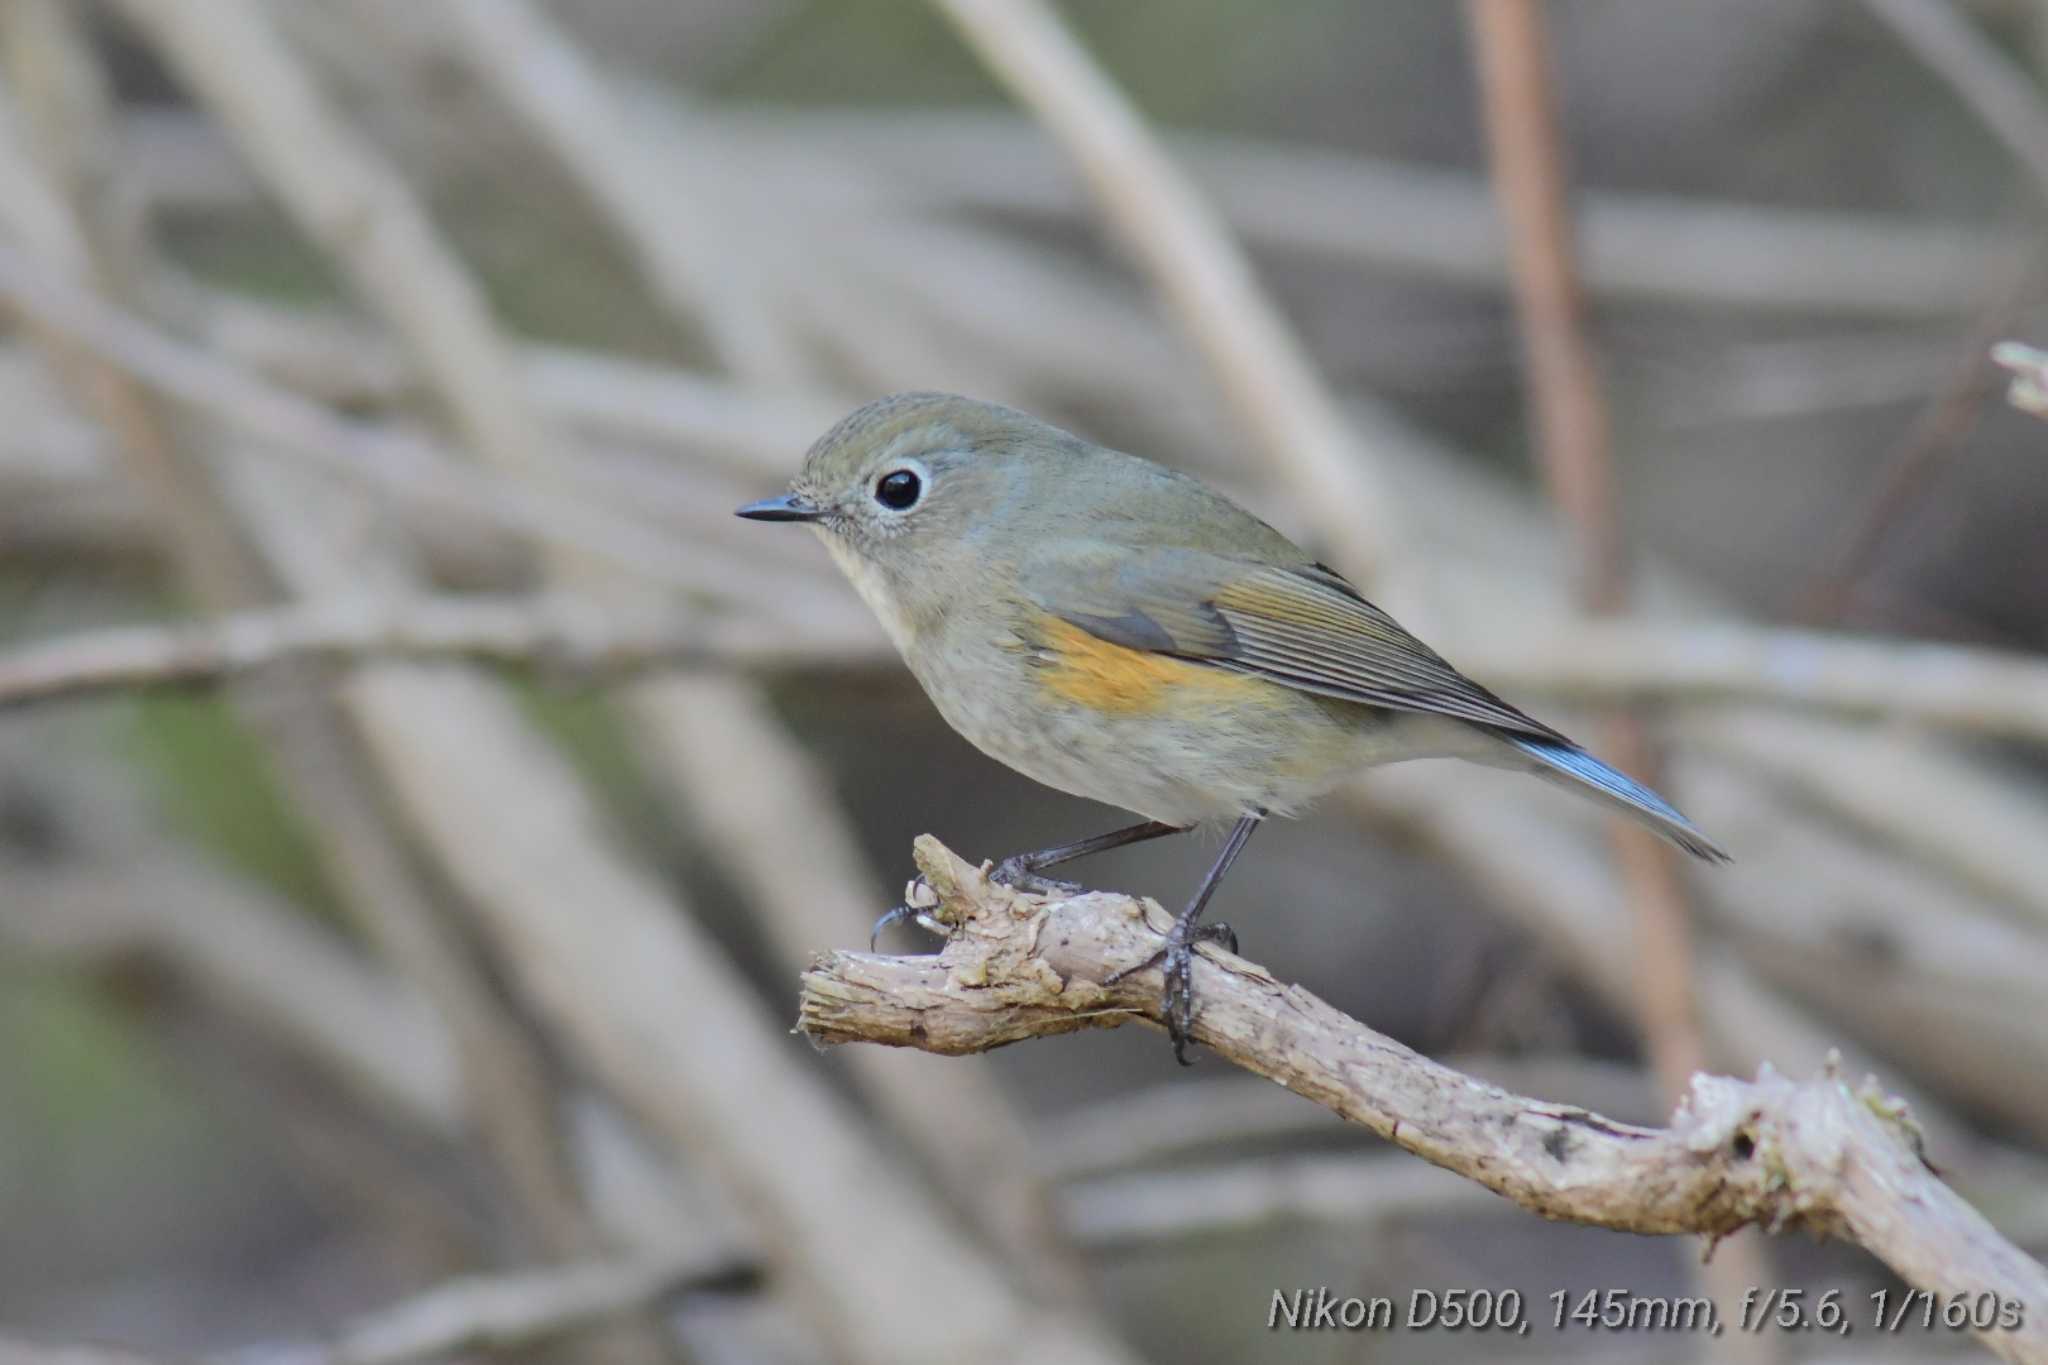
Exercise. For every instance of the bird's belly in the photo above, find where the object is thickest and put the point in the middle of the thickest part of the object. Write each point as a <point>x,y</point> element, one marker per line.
<point>1180,742</point>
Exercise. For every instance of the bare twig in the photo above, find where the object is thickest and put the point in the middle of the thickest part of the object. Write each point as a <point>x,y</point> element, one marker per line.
<point>1774,1153</point>
<point>1172,1122</point>
<point>499,1312</point>
<point>1192,261</point>
<point>574,634</point>
<point>1935,438</point>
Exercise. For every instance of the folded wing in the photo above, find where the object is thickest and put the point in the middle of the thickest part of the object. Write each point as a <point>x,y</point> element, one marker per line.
<point>1303,626</point>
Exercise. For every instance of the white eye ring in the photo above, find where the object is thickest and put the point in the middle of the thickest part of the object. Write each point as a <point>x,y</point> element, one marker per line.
<point>901,486</point>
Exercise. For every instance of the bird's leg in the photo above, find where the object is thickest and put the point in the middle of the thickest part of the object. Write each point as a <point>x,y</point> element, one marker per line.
<point>1020,870</point>
<point>1178,1001</point>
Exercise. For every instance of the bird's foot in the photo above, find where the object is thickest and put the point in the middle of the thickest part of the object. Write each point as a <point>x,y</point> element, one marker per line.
<point>918,900</point>
<point>1019,872</point>
<point>1177,999</point>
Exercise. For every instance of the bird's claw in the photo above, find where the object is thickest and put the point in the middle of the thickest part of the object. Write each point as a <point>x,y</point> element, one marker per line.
<point>895,916</point>
<point>918,899</point>
<point>1017,873</point>
<point>1177,998</point>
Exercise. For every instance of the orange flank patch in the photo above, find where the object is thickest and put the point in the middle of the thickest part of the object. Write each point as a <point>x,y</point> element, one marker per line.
<point>1095,673</point>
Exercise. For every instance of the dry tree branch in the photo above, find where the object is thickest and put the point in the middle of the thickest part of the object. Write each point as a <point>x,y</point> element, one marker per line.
<point>1196,266</point>
<point>1772,1153</point>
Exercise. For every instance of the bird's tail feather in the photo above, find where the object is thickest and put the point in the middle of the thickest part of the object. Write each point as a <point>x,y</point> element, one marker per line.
<point>1570,766</point>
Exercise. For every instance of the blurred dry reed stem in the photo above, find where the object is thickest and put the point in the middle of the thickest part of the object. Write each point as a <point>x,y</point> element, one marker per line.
<point>1199,270</point>
<point>1962,688</point>
<point>1817,1156</point>
<point>472,1313</point>
<point>1315,203</point>
<point>505,1312</point>
<point>1996,89</point>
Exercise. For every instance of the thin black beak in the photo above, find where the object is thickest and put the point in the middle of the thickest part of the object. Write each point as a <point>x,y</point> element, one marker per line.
<point>788,507</point>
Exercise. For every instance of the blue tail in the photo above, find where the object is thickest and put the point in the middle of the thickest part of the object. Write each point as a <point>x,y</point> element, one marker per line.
<point>1568,761</point>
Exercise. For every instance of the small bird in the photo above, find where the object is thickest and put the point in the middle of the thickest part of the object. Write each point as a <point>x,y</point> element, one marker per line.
<point>1121,631</point>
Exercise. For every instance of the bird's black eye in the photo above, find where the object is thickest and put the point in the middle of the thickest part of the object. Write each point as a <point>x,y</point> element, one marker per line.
<point>899,490</point>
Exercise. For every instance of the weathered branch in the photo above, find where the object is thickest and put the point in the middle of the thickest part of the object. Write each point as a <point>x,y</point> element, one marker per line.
<point>1771,1152</point>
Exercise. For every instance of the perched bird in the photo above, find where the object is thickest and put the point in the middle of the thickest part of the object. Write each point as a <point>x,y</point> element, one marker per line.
<point>1123,632</point>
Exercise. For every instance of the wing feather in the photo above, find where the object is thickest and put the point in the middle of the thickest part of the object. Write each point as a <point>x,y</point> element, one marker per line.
<point>1303,626</point>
